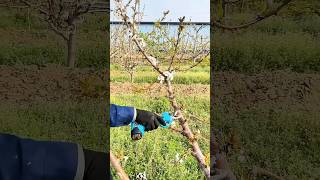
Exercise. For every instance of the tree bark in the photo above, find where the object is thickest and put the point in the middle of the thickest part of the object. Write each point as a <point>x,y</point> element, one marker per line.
<point>196,151</point>
<point>224,11</point>
<point>131,77</point>
<point>71,59</point>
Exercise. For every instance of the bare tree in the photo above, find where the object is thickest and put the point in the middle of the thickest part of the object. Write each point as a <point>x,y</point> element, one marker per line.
<point>63,17</point>
<point>189,46</point>
<point>117,38</point>
<point>174,51</point>
<point>123,51</point>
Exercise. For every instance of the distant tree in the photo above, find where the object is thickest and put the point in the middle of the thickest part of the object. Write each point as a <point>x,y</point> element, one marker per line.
<point>63,17</point>
<point>123,52</point>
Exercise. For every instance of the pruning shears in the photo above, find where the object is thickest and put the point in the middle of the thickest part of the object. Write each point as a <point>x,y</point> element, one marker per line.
<point>137,130</point>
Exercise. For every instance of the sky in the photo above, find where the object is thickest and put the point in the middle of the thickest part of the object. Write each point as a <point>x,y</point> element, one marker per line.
<point>196,10</point>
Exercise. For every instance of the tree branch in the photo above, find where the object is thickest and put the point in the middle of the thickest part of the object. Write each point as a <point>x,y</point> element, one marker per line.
<point>117,166</point>
<point>251,22</point>
<point>187,131</point>
<point>57,31</point>
<point>27,3</point>
<point>176,44</point>
<point>197,153</point>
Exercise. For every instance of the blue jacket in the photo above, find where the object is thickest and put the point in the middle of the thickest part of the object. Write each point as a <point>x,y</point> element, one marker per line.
<point>26,159</point>
<point>121,115</point>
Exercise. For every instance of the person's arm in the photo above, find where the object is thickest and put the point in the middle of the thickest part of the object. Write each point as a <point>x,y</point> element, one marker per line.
<point>30,159</point>
<point>121,115</point>
<point>124,115</point>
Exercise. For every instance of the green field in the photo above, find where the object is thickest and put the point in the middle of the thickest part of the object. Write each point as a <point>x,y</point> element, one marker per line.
<point>156,154</point>
<point>282,137</point>
<point>267,97</point>
<point>142,76</point>
<point>284,142</point>
<point>278,43</point>
<point>26,40</point>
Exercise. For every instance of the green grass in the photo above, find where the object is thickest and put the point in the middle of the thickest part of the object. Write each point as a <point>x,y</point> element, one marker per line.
<point>255,52</point>
<point>195,77</point>
<point>275,44</point>
<point>283,24</point>
<point>285,142</point>
<point>145,68</point>
<point>92,55</point>
<point>26,40</point>
<point>82,123</point>
<point>156,152</point>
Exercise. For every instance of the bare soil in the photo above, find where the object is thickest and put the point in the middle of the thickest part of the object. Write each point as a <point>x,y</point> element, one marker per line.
<point>233,90</point>
<point>24,84</point>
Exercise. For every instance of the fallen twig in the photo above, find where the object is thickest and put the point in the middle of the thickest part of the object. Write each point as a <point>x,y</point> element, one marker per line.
<point>117,166</point>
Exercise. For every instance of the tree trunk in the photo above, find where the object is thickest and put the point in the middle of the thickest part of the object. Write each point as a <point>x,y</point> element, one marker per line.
<point>71,50</point>
<point>196,151</point>
<point>224,12</point>
<point>131,77</point>
<point>269,4</point>
<point>242,6</point>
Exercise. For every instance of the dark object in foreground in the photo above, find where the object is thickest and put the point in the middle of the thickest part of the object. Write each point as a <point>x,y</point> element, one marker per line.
<point>28,159</point>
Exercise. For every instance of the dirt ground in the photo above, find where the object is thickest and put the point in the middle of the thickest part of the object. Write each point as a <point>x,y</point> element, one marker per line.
<point>23,84</point>
<point>238,91</point>
<point>53,82</point>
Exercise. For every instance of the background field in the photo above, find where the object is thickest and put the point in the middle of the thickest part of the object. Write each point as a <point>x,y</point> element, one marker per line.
<point>267,96</point>
<point>42,99</point>
<point>162,154</point>
<point>27,40</point>
<point>278,43</point>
